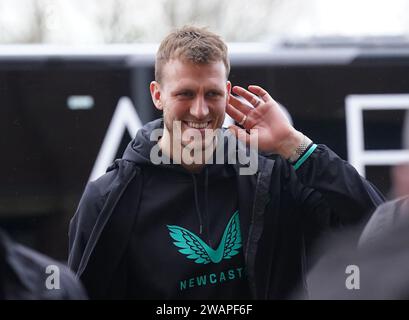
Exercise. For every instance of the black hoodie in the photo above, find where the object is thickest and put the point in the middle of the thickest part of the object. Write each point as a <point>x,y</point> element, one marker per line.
<point>186,242</point>
<point>137,229</point>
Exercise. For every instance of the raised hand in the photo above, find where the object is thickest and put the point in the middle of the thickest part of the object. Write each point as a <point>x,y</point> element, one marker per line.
<point>275,133</point>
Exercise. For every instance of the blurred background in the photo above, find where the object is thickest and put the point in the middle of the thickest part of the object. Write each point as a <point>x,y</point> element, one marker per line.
<point>74,88</point>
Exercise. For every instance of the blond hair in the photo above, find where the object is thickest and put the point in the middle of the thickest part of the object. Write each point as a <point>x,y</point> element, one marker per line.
<point>193,44</point>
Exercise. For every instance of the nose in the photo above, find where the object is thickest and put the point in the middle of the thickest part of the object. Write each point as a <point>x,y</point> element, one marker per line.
<point>199,108</point>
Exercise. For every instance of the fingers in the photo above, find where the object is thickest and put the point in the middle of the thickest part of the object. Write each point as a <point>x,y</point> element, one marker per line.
<point>240,134</point>
<point>249,96</point>
<point>239,105</point>
<point>259,91</point>
<point>253,95</point>
<point>234,113</point>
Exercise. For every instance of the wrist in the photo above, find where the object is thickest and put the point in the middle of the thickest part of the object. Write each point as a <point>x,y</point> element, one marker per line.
<point>289,145</point>
<point>303,144</point>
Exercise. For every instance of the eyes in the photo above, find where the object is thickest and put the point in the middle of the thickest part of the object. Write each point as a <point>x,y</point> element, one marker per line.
<point>188,94</point>
<point>213,94</point>
<point>185,94</point>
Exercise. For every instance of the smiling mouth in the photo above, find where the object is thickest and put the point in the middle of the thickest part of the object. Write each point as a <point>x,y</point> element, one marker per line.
<point>197,125</point>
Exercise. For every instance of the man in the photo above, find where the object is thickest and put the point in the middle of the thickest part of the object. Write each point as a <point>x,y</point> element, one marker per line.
<point>185,227</point>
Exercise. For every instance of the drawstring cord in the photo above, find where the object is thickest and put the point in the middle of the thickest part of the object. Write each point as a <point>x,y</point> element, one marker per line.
<point>207,203</point>
<point>199,214</point>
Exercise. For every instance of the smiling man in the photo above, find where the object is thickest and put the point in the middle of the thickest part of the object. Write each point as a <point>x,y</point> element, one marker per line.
<point>202,230</point>
<point>193,97</point>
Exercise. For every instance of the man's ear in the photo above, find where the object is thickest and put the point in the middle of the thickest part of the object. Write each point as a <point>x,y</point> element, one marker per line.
<point>155,93</point>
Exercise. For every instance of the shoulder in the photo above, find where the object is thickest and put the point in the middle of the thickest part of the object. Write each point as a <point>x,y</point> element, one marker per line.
<point>119,173</point>
<point>101,186</point>
<point>393,207</point>
<point>386,217</point>
<point>99,191</point>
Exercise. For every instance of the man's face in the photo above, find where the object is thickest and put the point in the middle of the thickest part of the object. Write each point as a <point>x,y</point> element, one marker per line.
<point>194,94</point>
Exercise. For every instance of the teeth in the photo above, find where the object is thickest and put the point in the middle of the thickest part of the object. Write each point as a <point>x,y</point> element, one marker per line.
<point>198,125</point>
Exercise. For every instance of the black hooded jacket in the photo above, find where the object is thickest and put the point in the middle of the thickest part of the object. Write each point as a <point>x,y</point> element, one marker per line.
<point>282,211</point>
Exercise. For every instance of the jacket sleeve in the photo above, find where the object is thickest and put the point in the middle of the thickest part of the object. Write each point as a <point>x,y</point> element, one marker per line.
<point>83,222</point>
<point>334,194</point>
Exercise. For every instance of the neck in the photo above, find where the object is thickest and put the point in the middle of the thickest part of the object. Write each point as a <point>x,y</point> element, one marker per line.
<point>178,153</point>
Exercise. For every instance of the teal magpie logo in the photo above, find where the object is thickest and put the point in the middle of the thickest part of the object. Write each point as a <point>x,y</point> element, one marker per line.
<point>196,249</point>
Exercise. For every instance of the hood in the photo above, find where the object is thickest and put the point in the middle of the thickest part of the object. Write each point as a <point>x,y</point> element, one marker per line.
<point>139,149</point>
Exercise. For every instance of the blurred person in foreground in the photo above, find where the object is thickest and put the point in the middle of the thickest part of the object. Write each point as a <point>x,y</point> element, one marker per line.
<point>29,275</point>
<point>196,224</point>
<point>375,269</point>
